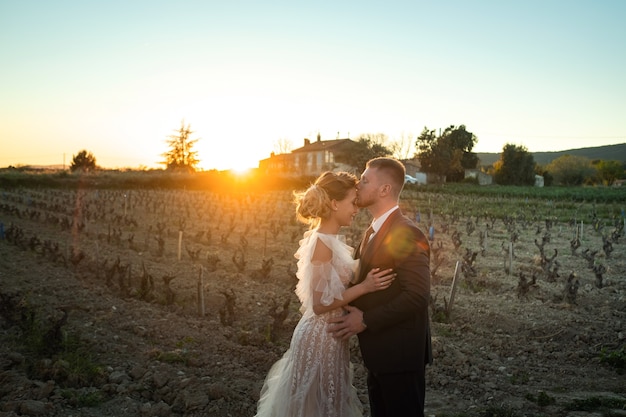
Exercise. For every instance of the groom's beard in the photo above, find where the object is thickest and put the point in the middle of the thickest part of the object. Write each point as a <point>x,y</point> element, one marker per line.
<point>362,203</point>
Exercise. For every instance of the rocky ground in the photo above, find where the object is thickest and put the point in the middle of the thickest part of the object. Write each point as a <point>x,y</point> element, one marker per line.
<point>501,352</point>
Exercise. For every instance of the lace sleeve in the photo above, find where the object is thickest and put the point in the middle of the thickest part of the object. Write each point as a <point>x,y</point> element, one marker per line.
<point>325,280</point>
<point>313,277</point>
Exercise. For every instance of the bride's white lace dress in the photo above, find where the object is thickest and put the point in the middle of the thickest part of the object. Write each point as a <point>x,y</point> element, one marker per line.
<point>314,376</point>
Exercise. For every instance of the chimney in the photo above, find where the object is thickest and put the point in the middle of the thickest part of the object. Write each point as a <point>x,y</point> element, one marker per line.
<point>306,142</point>
<point>319,137</point>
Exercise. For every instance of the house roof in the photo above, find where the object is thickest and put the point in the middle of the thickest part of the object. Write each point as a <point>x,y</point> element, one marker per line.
<point>322,145</point>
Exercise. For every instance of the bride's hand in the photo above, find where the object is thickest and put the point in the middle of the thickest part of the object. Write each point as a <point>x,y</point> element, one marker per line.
<point>378,279</point>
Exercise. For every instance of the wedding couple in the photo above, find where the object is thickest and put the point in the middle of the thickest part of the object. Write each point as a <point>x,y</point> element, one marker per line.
<point>378,291</point>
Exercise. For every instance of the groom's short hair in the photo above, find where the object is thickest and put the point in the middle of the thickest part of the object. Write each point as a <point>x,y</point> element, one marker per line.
<point>391,167</point>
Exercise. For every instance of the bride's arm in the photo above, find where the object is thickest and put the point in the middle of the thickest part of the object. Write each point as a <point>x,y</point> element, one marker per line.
<point>376,280</point>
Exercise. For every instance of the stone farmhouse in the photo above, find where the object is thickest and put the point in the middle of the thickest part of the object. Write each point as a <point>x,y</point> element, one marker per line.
<point>310,160</point>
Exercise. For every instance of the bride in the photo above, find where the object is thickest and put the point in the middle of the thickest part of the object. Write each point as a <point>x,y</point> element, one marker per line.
<point>314,376</point>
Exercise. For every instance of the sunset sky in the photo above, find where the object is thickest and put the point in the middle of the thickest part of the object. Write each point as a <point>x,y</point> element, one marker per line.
<point>117,77</point>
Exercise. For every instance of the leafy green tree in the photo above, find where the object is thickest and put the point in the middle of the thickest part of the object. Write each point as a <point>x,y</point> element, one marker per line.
<point>449,154</point>
<point>434,156</point>
<point>362,150</point>
<point>180,155</point>
<point>83,161</point>
<point>609,171</point>
<point>571,170</point>
<point>515,167</point>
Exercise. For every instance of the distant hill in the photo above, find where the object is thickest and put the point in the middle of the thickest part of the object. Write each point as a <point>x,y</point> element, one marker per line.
<point>608,152</point>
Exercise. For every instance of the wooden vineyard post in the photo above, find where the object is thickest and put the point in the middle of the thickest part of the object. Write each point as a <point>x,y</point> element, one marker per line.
<point>455,283</point>
<point>510,259</point>
<point>201,292</point>
<point>581,230</point>
<point>180,242</point>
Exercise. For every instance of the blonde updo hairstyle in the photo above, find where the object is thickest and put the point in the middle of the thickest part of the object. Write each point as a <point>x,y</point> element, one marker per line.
<point>314,204</point>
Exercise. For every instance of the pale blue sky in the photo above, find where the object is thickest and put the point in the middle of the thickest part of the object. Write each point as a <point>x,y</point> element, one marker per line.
<point>117,77</point>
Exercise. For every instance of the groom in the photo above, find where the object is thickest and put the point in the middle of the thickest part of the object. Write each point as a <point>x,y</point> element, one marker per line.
<point>392,325</point>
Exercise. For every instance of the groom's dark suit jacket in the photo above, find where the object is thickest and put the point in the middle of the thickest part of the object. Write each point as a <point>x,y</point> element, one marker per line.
<point>397,338</point>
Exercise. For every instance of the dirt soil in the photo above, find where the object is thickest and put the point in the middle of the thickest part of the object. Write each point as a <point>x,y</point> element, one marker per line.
<point>148,352</point>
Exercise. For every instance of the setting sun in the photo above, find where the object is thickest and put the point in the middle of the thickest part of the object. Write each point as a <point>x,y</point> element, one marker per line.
<point>241,171</point>
<point>238,170</point>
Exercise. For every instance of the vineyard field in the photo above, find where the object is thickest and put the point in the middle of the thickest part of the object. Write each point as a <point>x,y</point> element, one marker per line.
<point>176,302</point>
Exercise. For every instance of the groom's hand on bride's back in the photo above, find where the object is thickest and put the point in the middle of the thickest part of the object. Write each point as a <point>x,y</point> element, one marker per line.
<point>351,323</point>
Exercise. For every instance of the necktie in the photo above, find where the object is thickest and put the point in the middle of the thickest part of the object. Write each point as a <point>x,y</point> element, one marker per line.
<point>366,239</point>
<point>368,234</point>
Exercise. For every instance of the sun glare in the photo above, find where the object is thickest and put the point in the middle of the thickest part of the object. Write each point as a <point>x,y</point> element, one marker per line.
<point>240,163</point>
<point>234,165</point>
<point>240,171</point>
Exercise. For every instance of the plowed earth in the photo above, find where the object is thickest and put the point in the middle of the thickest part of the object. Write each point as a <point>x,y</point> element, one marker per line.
<point>147,350</point>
